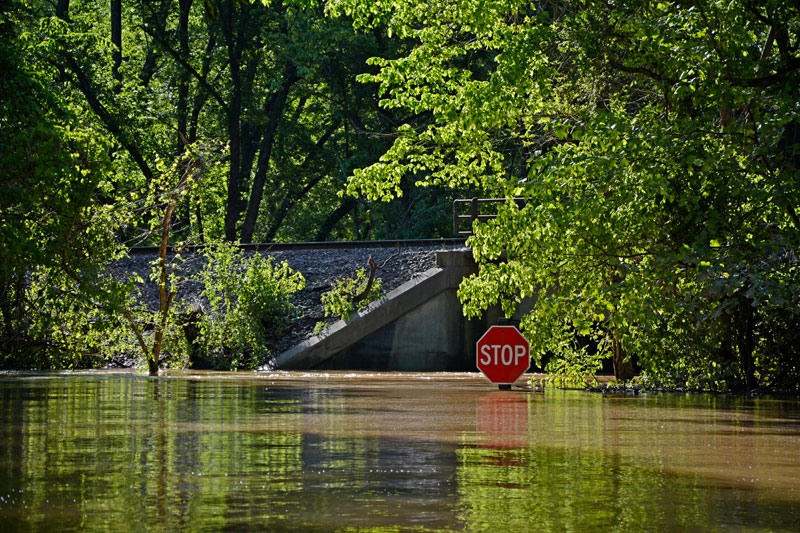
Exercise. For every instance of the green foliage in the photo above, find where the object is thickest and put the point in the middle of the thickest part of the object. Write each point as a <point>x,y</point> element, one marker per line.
<point>249,306</point>
<point>57,234</point>
<point>273,82</point>
<point>96,141</point>
<point>658,150</point>
<point>61,328</point>
<point>341,300</point>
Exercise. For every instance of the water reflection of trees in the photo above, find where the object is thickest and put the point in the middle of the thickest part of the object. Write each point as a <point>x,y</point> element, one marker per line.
<point>99,452</point>
<point>109,453</point>
<point>621,465</point>
<point>123,453</point>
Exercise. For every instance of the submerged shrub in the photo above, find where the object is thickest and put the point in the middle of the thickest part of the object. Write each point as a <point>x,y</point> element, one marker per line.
<point>249,306</point>
<point>50,320</point>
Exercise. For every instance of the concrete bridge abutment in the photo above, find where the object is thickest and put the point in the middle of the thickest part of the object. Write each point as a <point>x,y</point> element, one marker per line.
<point>420,326</point>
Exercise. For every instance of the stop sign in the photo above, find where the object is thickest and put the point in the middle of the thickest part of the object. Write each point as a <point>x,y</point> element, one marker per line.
<point>503,354</point>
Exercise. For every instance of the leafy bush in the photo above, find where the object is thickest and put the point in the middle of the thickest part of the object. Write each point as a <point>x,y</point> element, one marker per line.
<point>249,306</point>
<point>347,295</point>
<point>59,325</point>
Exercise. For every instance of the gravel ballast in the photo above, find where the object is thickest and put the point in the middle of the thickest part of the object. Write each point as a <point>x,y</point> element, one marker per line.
<point>320,267</point>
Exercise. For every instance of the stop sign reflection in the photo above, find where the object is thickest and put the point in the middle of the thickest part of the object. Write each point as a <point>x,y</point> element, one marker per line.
<point>502,422</point>
<point>503,354</point>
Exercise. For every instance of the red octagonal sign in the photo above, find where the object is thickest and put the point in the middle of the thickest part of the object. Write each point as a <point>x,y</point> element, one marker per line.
<point>503,354</point>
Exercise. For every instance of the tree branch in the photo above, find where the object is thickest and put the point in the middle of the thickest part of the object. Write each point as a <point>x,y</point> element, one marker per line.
<point>137,332</point>
<point>364,293</point>
<point>641,70</point>
<point>84,85</point>
<point>290,199</point>
<point>178,59</point>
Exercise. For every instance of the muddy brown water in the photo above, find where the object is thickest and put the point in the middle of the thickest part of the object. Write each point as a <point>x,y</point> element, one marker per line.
<point>388,452</point>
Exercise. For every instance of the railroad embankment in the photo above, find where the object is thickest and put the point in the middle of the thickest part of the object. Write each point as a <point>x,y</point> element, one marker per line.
<point>320,263</point>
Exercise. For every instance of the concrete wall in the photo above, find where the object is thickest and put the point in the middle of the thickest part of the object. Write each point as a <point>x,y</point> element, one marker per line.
<point>433,336</point>
<point>417,327</point>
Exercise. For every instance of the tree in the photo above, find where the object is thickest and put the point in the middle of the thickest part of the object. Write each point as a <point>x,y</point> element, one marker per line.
<point>656,146</point>
<point>57,236</point>
<point>275,81</point>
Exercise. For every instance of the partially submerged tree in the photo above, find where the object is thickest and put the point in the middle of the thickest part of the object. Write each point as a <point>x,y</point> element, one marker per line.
<point>656,145</point>
<point>165,194</point>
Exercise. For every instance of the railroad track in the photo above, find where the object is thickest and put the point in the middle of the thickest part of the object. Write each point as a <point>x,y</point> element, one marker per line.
<point>326,245</point>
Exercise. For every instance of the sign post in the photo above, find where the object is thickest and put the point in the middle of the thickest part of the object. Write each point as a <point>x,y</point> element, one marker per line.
<point>503,355</point>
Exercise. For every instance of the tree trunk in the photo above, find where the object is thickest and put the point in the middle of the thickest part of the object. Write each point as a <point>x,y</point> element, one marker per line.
<point>183,81</point>
<point>62,10</point>
<point>201,97</point>
<point>275,109</point>
<point>790,146</point>
<point>234,113</point>
<point>623,370</point>
<point>746,342</point>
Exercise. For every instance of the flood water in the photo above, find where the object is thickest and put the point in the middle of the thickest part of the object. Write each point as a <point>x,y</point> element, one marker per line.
<point>387,452</point>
